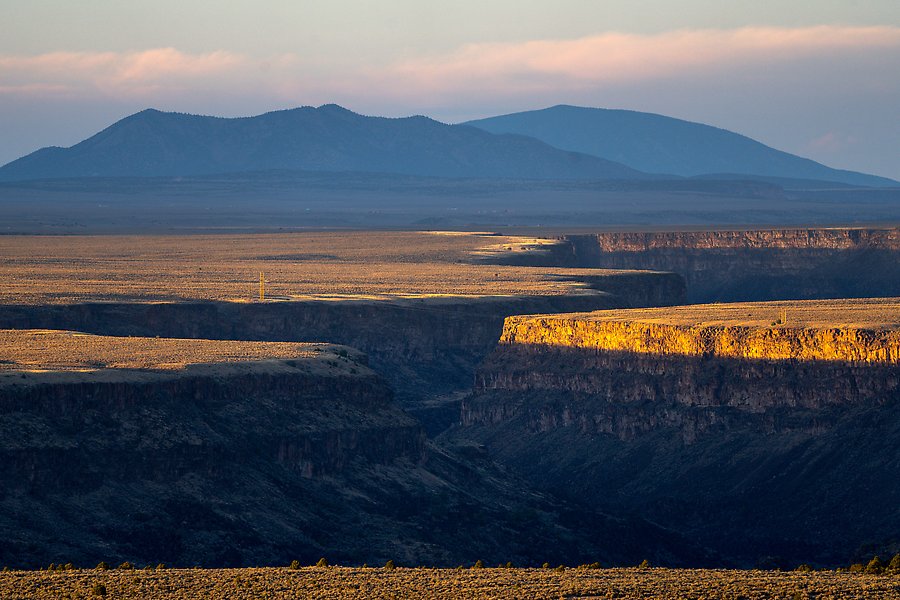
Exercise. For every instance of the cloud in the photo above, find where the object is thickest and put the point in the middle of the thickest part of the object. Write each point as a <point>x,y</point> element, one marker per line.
<point>620,58</point>
<point>505,69</point>
<point>116,74</point>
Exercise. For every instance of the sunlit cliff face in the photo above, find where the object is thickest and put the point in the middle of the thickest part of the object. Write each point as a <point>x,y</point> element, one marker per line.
<point>863,331</point>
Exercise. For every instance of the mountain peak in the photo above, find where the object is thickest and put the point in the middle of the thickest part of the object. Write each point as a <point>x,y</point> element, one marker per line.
<point>659,144</point>
<point>326,138</point>
<point>337,108</point>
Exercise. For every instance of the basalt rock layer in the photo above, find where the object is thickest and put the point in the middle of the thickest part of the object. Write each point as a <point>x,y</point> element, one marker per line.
<point>769,444</point>
<point>243,461</point>
<point>749,265</point>
<point>191,463</point>
<point>424,347</point>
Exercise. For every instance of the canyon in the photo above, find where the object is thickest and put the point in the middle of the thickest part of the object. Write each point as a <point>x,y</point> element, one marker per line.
<point>765,442</point>
<point>436,398</point>
<point>745,264</point>
<point>261,452</point>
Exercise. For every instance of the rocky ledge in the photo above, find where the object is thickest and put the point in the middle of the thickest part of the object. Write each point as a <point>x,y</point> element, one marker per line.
<point>782,413</point>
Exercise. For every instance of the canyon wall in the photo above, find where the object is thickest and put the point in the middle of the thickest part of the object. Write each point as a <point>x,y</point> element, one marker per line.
<point>738,265</point>
<point>425,348</point>
<point>766,444</point>
<point>266,462</point>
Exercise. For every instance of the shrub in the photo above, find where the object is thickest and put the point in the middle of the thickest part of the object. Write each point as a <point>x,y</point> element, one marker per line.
<point>560,568</point>
<point>546,565</point>
<point>126,566</point>
<point>508,564</point>
<point>295,564</point>
<point>856,568</point>
<point>478,564</point>
<point>322,562</point>
<point>99,589</point>
<point>875,566</point>
<point>894,566</point>
<point>804,568</point>
<point>645,564</point>
<point>102,566</point>
<point>6,569</point>
<point>389,566</point>
<point>160,566</point>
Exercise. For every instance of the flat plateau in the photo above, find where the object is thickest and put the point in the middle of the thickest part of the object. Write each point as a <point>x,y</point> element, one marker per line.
<point>295,266</point>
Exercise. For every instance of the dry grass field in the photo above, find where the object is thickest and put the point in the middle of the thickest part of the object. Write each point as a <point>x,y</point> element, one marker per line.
<point>30,357</point>
<point>512,584</point>
<point>66,350</point>
<point>66,269</point>
<point>864,313</point>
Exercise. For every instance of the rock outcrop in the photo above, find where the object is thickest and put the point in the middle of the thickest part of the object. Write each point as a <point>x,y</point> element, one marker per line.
<point>424,347</point>
<point>240,460</point>
<point>756,440</point>
<point>749,265</point>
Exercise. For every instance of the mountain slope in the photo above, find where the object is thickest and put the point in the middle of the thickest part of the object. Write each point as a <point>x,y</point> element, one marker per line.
<point>328,138</point>
<point>659,144</point>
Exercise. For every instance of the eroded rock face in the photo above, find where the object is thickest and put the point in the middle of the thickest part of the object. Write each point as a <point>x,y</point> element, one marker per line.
<point>189,463</point>
<point>423,348</point>
<point>793,239</point>
<point>855,345</point>
<point>759,442</point>
<point>264,462</point>
<point>731,266</point>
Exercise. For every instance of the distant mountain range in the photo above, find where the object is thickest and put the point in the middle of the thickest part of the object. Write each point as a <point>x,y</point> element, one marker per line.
<point>559,143</point>
<point>660,144</point>
<point>329,138</point>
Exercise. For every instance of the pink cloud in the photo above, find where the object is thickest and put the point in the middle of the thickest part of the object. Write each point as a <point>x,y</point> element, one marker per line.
<point>487,70</point>
<point>117,74</point>
<point>621,57</point>
<point>830,143</point>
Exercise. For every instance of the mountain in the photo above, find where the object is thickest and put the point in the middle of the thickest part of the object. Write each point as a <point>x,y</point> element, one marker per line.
<point>328,138</point>
<point>659,144</point>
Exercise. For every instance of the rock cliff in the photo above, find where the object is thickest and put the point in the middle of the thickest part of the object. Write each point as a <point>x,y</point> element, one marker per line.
<point>425,348</point>
<point>760,441</point>
<point>241,460</point>
<point>767,264</point>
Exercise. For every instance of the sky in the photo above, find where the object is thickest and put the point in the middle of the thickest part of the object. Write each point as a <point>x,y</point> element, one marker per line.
<point>819,78</point>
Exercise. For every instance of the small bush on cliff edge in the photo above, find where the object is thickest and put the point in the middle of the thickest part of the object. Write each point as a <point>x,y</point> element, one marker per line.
<point>894,566</point>
<point>322,562</point>
<point>875,566</point>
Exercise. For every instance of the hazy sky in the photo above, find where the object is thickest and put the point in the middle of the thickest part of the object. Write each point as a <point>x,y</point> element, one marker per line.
<point>820,78</point>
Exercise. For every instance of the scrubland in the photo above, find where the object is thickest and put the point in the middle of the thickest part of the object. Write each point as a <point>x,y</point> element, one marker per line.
<point>66,350</point>
<point>338,582</point>
<point>66,269</point>
<point>861,313</point>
